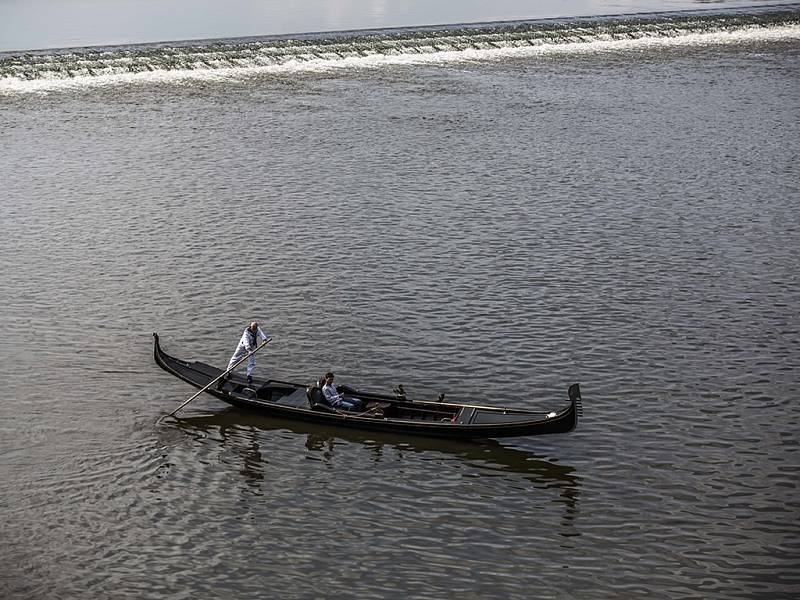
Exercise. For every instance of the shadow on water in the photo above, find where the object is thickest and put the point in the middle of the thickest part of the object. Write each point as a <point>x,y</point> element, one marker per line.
<point>485,458</point>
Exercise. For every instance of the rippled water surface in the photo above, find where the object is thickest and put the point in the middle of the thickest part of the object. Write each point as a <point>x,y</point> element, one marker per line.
<point>491,226</point>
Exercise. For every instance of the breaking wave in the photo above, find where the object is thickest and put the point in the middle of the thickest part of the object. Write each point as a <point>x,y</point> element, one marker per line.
<point>218,59</point>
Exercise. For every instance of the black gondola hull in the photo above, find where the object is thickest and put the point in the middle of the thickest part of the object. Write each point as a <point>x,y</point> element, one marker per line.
<point>434,419</point>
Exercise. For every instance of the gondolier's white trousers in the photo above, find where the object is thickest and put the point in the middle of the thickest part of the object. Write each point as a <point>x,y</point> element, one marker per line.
<point>241,352</point>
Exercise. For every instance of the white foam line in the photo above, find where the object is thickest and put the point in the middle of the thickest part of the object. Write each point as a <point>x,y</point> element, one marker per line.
<point>11,85</point>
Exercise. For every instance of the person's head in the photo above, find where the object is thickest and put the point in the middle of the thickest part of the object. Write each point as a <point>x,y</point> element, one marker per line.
<point>328,377</point>
<point>253,326</point>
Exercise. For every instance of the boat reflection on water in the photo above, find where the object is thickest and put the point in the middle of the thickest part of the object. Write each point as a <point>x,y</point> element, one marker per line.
<point>240,431</point>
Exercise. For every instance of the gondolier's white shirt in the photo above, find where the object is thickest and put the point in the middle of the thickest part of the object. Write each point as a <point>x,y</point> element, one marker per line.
<point>249,341</point>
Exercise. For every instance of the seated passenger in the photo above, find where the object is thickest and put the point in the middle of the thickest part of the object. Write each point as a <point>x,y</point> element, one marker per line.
<point>336,399</point>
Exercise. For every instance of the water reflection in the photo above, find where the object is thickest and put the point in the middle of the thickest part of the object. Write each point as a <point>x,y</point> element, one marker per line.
<point>242,432</point>
<point>252,463</point>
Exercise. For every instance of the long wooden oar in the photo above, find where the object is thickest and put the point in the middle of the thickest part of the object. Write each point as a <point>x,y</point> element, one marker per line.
<point>215,380</point>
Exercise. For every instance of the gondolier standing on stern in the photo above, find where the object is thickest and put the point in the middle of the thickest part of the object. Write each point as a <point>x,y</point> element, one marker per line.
<point>247,344</point>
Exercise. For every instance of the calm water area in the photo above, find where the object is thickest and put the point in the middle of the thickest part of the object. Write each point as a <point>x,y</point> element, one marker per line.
<point>492,214</point>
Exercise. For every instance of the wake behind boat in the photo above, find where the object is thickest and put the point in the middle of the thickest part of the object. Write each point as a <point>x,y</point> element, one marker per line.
<point>382,412</point>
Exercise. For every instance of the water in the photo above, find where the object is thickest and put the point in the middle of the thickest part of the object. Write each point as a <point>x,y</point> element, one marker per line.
<point>220,59</point>
<point>37,24</point>
<point>492,223</point>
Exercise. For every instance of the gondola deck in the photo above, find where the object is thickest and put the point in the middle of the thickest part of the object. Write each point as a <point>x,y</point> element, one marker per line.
<point>383,412</point>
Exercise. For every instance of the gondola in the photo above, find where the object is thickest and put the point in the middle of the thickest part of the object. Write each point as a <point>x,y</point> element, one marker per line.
<point>382,412</point>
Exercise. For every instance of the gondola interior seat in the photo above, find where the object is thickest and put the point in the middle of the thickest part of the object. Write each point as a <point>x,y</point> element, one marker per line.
<point>298,399</point>
<point>316,397</point>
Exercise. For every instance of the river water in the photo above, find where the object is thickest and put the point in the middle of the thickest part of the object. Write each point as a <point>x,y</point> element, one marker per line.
<point>493,213</point>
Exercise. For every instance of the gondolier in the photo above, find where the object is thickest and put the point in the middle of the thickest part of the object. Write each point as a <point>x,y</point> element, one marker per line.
<point>247,344</point>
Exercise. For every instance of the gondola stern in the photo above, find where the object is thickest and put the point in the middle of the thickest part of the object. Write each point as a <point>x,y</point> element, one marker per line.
<point>156,346</point>
<point>575,399</point>
<point>163,359</point>
<point>157,352</point>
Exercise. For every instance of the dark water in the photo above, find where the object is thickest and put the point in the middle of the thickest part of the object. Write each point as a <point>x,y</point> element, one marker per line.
<point>494,225</point>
